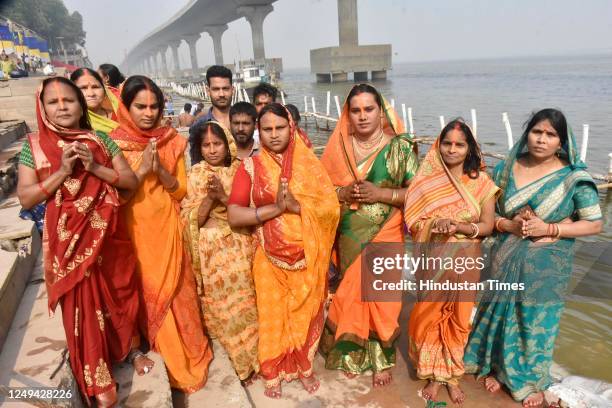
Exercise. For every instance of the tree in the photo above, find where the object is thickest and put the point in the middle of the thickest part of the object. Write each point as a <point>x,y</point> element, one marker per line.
<point>49,18</point>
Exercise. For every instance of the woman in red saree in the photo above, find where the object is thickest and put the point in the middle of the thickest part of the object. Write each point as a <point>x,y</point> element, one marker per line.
<point>287,194</point>
<point>170,314</point>
<point>451,200</point>
<point>89,271</point>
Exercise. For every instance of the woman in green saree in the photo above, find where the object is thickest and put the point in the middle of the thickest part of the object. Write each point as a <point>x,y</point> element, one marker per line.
<point>370,161</point>
<point>548,200</point>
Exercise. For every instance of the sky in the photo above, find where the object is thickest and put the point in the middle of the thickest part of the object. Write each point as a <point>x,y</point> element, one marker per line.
<point>419,30</point>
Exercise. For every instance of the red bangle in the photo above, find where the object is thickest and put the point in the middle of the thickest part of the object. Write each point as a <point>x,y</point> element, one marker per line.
<point>44,190</point>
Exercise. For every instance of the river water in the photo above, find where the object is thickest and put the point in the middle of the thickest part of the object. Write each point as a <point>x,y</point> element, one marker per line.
<point>580,86</point>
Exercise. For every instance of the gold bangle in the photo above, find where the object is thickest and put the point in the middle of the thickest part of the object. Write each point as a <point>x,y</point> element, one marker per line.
<point>394,196</point>
<point>498,222</point>
<point>558,234</point>
<point>475,229</point>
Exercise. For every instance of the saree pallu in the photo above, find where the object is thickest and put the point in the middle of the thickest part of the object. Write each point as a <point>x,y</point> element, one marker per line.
<point>97,293</point>
<point>170,315</point>
<point>360,335</point>
<point>222,259</point>
<point>439,323</point>
<point>513,335</point>
<point>291,261</point>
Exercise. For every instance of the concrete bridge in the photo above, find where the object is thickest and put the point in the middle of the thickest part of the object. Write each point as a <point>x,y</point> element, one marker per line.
<point>194,19</point>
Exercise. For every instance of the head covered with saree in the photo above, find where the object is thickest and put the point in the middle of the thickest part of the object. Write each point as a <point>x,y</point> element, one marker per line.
<point>567,152</point>
<point>436,193</point>
<point>132,139</point>
<point>84,209</point>
<point>291,262</point>
<point>338,157</point>
<point>110,102</point>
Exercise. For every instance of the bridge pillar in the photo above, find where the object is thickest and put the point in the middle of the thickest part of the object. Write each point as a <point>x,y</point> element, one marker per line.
<point>164,65</point>
<point>174,45</point>
<point>147,65</point>
<point>191,41</point>
<point>154,69</point>
<point>216,32</point>
<point>256,15</point>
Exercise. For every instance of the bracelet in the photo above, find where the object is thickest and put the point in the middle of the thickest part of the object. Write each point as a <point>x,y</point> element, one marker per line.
<point>338,193</point>
<point>44,190</point>
<point>259,221</point>
<point>498,222</point>
<point>116,179</point>
<point>394,196</point>
<point>475,229</point>
<point>558,234</point>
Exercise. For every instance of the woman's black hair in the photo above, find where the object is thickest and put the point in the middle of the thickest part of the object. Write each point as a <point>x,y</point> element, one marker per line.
<point>274,107</point>
<point>84,120</point>
<point>84,70</point>
<point>137,83</point>
<point>115,77</point>
<point>195,148</point>
<point>364,88</point>
<point>471,165</point>
<point>556,119</point>
<point>294,111</point>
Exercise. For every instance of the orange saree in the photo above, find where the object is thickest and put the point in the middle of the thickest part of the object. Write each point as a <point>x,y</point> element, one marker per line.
<point>291,260</point>
<point>170,314</point>
<point>81,253</point>
<point>359,336</point>
<point>438,330</point>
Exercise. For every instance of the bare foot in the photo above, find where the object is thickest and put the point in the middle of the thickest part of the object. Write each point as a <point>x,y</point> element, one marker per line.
<point>107,399</point>
<point>456,394</point>
<point>534,400</point>
<point>382,378</point>
<point>143,364</point>
<point>349,375</point>
<point>430,392</point>
<point>273,392</point>
<point>491,384</point>
<point>311,383</point>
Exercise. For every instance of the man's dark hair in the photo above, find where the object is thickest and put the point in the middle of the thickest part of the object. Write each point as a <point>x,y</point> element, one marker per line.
<point>218,71</point>
<point>265,89</point>
<point>243,108</point>
<point>187,108</point>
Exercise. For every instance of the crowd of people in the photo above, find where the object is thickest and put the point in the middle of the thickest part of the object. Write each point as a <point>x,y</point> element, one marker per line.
<point>260,244</point>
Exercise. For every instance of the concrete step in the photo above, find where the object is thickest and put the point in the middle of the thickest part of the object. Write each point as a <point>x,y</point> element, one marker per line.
<point>11,131</point>
<point>9,163</point>
<point>34,351</point>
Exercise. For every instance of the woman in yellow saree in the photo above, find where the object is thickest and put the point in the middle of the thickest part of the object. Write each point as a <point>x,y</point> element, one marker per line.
<point>451,200</point>
<point>102,104</point>
<point>170,317</point>
<point>287,194</point>
<point>221,256</point>
<point>370,162</point>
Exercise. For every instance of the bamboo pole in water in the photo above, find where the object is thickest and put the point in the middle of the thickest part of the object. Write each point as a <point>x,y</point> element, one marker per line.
<point>585,142</point>
<point>506,121</point>
<point>474,123</point>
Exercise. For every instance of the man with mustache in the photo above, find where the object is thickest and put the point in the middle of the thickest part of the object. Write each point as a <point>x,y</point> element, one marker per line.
<point>243,117</point>
<point>219,87</point>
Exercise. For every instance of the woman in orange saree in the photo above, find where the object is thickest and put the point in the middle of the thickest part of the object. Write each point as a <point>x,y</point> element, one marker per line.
<point>287,194</point>
<point>88,270</point>
<point>450,200</point>
<point>370,162</point>
<point>170,311</point>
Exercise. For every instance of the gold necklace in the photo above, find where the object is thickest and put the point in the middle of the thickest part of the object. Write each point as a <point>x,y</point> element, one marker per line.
<point>368,144</point>
<point>363,151</point>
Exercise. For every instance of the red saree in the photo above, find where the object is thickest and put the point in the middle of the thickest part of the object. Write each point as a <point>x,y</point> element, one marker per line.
<point>89,266</point>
